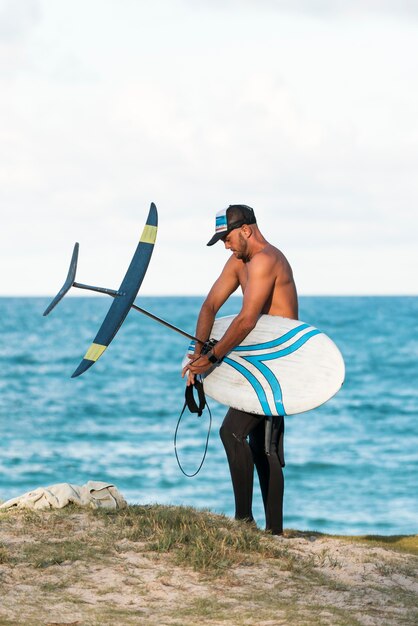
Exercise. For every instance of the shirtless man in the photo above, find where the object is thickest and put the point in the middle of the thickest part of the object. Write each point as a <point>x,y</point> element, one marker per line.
<point>266,280</point>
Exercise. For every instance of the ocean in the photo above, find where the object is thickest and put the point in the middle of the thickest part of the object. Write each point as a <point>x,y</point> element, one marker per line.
<point>351,465</point>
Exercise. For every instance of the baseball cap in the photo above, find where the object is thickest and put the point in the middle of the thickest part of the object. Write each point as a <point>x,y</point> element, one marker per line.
<point>230,218</point>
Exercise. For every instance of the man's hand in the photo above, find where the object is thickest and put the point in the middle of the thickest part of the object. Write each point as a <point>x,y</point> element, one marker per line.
<point>193,356</point>
<point>198,364</point>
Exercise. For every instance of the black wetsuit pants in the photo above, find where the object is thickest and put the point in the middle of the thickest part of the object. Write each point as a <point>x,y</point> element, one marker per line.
<point>243,454</point>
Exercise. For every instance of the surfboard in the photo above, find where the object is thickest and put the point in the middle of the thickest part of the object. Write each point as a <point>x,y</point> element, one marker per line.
<point>282,367</point>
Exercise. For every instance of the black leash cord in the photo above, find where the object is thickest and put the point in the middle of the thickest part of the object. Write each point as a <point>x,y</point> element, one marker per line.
<point>193,408</point>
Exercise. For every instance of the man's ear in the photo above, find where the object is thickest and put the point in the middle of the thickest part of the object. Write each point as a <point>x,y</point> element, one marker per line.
<point>247,230</point>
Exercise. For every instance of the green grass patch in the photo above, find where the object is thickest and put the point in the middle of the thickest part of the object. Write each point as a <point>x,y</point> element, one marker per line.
<point>196,539</point>
<point>202,608</point>
<point>400,543</point>
<point>45,554</point>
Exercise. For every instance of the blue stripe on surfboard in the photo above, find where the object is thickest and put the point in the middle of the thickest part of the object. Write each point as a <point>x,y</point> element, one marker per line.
<point>274,385</point>
<point>128,290</point>
<point>256,385</point>
<point>256,358</point>
<point>274,342</point>
<point>258,362</point>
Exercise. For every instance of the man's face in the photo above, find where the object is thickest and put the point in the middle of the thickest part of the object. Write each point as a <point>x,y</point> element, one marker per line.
<point>237,243</point>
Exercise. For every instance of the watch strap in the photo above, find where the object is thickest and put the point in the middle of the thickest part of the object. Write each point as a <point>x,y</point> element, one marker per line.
<point>213,358</point>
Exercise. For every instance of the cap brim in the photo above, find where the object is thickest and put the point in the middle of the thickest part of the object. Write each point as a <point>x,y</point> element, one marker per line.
<point>216,238</point>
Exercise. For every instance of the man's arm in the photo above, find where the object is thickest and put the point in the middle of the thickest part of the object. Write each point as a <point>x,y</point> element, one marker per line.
<point>223,287</point>
<point>261,280</point>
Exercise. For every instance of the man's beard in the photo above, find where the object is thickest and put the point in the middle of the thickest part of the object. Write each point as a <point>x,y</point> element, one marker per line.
<point>243,257</point>
<point>242,253</point>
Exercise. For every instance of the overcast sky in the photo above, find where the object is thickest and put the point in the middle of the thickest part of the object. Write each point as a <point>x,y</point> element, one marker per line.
<point>306,110</point>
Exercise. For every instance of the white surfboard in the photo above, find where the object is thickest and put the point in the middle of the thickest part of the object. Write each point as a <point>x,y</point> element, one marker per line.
<point>282,367</point>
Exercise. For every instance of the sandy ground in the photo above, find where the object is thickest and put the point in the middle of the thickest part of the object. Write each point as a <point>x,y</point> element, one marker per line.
<point>330,581</point>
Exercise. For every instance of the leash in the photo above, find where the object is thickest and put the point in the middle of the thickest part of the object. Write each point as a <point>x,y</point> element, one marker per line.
<point>198,408</point>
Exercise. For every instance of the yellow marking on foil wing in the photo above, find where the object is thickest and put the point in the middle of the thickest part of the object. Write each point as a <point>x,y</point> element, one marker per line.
<point>95,351</point>
<point>149,234</point>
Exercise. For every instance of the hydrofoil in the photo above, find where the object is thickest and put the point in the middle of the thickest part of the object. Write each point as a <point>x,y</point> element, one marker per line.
<point>123,297</point>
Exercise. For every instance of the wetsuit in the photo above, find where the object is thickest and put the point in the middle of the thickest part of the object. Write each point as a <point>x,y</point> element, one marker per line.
<point>243,454</point>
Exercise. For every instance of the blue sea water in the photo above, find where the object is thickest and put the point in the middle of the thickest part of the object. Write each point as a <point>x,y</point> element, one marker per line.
<point>351,465</point>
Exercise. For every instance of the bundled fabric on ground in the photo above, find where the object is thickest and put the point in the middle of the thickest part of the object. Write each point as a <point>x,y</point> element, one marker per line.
<point>94,494</point>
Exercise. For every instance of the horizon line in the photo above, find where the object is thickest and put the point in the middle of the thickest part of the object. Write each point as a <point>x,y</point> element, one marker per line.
<point>193,295</point>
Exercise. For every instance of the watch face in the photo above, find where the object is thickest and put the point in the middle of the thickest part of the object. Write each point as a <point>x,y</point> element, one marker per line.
<point>212,358</point>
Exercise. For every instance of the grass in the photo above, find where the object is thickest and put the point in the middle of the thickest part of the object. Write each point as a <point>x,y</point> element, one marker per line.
<point>42,555</point>
<point>197,539</point>
<point>400,543</point>
<point>4,554</point>
<point>207,543</point>
<point>213,567</point>
<point>202,607</point>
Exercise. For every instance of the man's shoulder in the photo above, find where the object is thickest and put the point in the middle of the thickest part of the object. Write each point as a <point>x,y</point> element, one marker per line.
<point>269,260</point>
<point>269,255</point>
<point>233,264</point>
<point>232,267</point>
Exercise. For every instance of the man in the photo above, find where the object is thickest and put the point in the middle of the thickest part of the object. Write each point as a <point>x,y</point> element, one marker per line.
<point>266,280</point>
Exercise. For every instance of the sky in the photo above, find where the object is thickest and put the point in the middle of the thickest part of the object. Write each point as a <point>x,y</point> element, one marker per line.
<point>305,110</point>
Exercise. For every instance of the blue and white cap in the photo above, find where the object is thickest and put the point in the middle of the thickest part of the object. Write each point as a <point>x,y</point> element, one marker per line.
<point>232,217</point>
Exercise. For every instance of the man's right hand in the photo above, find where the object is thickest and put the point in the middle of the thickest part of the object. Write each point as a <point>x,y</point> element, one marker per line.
<point>195,367</point>
<point>190,377</point>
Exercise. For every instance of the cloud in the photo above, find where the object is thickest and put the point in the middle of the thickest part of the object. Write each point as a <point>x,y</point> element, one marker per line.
<point>319,8</point>
<point>17,18</point>
<point>311,122</point>
<point>17,21</point>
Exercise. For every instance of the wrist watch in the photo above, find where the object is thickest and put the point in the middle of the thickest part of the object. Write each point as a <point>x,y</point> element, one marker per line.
<point>212,357</point>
